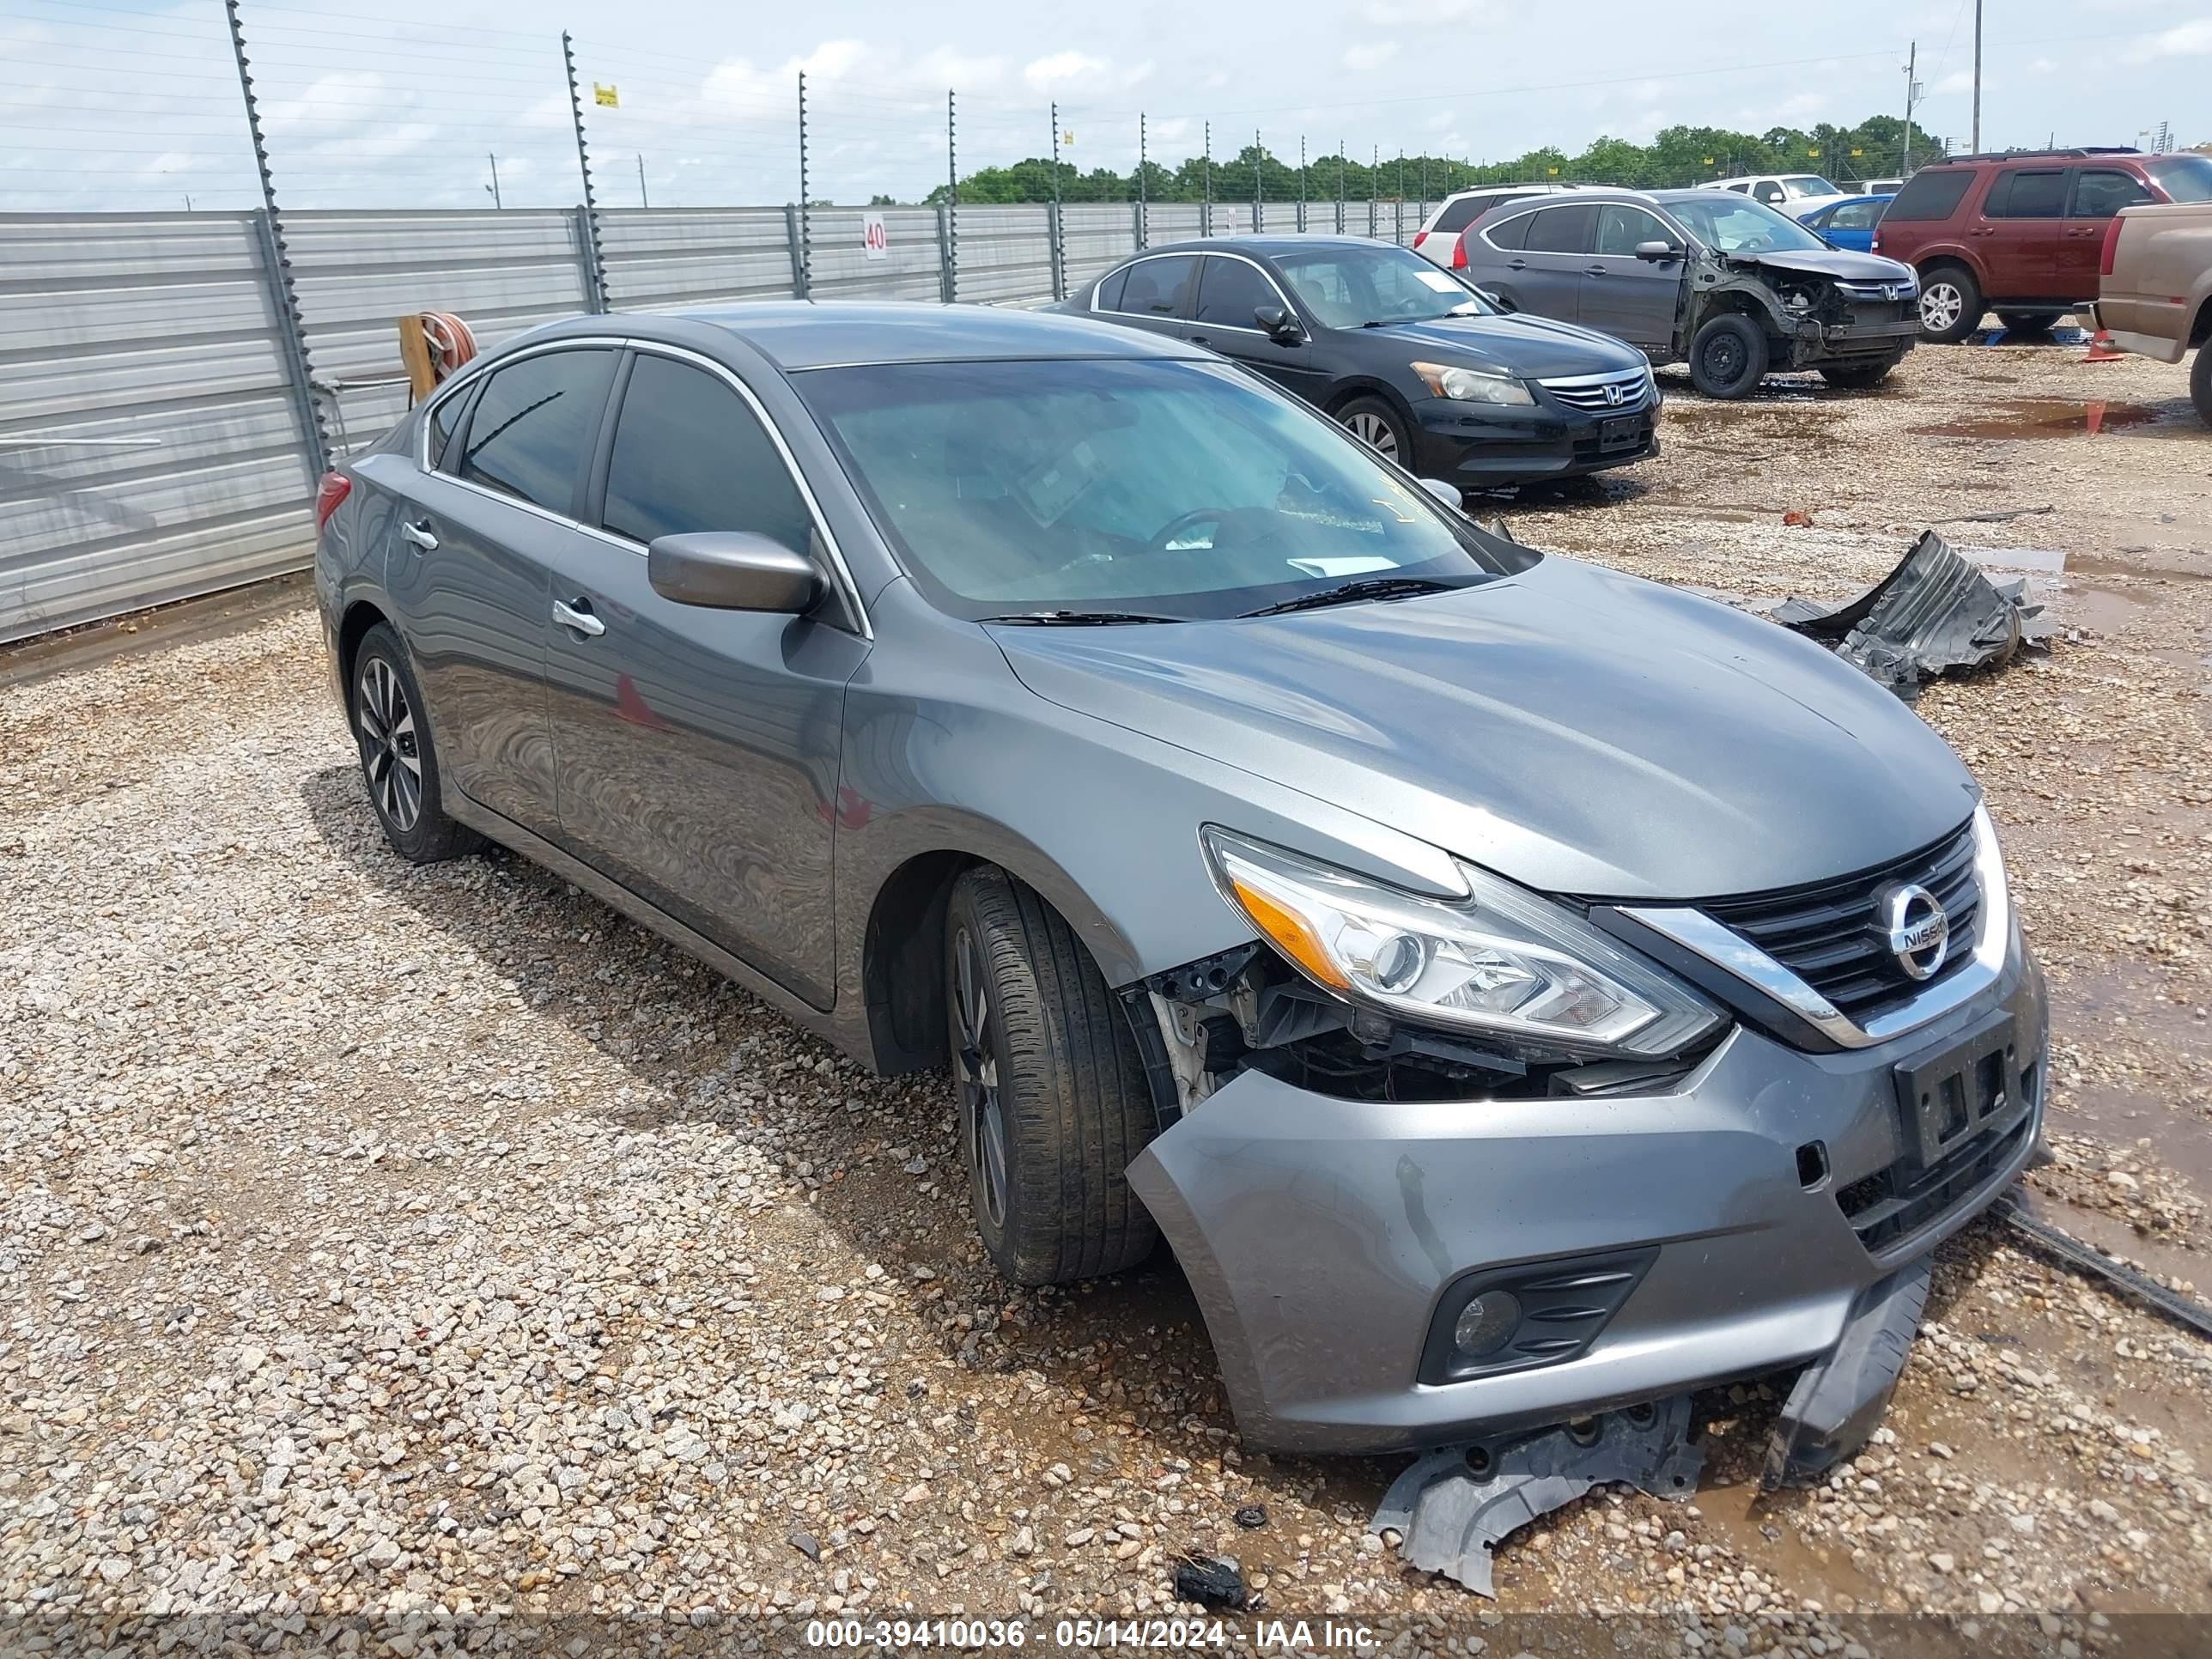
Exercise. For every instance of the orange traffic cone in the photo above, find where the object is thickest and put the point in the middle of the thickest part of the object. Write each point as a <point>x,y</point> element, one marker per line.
<point>2101,349</point>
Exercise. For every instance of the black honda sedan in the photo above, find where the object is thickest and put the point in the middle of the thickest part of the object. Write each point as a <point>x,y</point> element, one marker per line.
<point>1431,372</point>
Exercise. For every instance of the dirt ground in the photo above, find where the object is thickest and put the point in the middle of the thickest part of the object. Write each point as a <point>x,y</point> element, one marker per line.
<point>396,1242</point>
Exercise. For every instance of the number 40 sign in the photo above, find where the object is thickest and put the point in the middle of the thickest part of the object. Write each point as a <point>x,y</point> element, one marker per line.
<point>875,241</point>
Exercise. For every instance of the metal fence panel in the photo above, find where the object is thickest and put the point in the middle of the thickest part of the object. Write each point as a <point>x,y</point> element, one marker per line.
<point>910,268</point>
<point>1170,221</point>
<point>1098,235</point>
<point>1005,253</point>
<point>657,258</point>
<point>125,326</point>
<point>356,272</point>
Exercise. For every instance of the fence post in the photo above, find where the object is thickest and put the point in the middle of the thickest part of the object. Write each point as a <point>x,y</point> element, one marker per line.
<point>587,259</point>
<point>802,234</point>
<point>801,285</point>
<point>1142,183</point>
<point>1206,195</point>
<point>1340,186</point>
<point>1258,188</point>
<point>948,242</point>
<point>1052,231</point>
<point>595,268</point>
<point>947,274</point>
<point>277,267</point>
<point>1301,182</point>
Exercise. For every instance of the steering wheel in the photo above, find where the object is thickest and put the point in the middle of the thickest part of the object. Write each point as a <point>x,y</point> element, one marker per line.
<point>1219,517</point>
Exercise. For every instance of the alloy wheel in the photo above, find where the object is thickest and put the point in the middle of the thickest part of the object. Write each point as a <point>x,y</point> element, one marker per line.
<point>1372,429</point>
<point>982,1112</point>
<point>391,750</point>
<point>1940,303</point>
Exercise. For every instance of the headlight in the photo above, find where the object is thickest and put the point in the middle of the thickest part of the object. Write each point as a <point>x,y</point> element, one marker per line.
<point>1472,385</point>
<point>1502,962</point>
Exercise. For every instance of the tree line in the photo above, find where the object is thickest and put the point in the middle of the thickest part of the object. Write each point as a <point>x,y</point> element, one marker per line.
<point>1677,155</point>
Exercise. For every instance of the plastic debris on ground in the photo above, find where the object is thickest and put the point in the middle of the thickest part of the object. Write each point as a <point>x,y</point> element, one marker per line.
<point>1934,613</point>
<point>1211,1581</point>
<point>1454,1506</point>
<point>1840,1399</point>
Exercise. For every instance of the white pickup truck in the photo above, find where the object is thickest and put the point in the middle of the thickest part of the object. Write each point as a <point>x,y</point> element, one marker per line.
<point>2155,295</point>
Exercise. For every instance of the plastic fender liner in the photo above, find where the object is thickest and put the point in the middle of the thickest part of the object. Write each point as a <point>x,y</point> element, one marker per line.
<point>1840,1398</point>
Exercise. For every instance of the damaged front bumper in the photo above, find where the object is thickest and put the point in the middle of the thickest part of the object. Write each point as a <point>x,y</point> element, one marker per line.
<point>1815,344</point>
<point>1706,1231</point>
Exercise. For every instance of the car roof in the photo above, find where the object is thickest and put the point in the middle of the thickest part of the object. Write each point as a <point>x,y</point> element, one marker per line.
<point>1266,245</point>
<point>798,334</point>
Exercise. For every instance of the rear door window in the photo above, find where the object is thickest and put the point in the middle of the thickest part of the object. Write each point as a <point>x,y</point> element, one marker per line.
<point>689,455</point>
<point>1930,196</point>
<point>2100,193</point>
<point>2027,193</point>
<point>1564,229</point>
<point>1230,291</point>
<point>1159,288</point>
<point>530,435</point>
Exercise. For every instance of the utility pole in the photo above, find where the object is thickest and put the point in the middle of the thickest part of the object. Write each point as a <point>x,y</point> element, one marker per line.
<point>643,200</point>
<point>1978,78</point>
<point>1912,89</point>
<point>493,157</point>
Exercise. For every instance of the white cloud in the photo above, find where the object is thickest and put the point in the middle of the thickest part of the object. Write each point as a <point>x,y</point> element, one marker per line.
<point>1956,82</point>
<point>1366,59</point>
<point>2190,40</point>
<point>1392,13</point>
<point>1063,69</point>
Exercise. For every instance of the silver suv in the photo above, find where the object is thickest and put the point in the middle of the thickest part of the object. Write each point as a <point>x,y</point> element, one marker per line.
<point>1702,276</point>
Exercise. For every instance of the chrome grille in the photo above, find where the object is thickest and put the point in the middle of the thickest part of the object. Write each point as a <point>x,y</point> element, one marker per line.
<point>1603,394</point>
<point>1829,934</point>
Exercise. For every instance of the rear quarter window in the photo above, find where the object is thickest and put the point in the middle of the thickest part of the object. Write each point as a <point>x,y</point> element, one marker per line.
<point>1930,195</point>
<point>1509,234</point>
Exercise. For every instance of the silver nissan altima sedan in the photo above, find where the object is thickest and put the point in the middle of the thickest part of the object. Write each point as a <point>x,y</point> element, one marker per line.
<point>1512,988</point>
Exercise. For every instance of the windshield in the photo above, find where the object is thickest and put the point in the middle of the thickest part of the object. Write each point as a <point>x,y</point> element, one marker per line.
<point>1345,285</point>
<point>1146,487</point>
<point>1807,184</point>
<point>1739,225</point>
<point>2183,178</point>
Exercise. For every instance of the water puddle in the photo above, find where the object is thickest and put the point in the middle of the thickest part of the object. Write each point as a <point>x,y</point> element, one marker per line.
<point>2098,564</point>
<point>2044,417</point>
<point>2099,610</point>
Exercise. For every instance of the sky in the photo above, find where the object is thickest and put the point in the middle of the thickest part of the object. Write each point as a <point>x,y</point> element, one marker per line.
<point>135,105</point>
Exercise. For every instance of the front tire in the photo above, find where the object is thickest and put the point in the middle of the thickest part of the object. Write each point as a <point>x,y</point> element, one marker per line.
<point>1378,426</point>
<point>1728,358</point>
<point>1857,377</point>
<point>1054,1100</point>
<point>397,761</point>
<point>1950,304</point>
<point>2200,383</point>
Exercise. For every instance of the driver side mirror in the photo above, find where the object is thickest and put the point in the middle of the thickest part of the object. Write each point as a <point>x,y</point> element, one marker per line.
<point>1282,328</point>
<point>733,570</point>
<point>1658,252</point>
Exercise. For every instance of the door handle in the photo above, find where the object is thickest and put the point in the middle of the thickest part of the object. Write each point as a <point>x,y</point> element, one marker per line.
<point>1592,270</point>
<point>568,616</point>
<point>1517,264</point>
<point>420,535</point>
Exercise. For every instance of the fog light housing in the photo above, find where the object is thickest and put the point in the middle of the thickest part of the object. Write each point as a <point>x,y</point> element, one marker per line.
<point>1486,1323</point>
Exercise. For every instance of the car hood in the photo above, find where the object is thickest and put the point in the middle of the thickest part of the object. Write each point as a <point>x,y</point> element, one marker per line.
<point>1834,262</point>
<point>1537,347</point>
<point>1574,729</point>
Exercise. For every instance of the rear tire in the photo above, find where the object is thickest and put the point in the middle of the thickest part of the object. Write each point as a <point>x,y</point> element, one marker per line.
<point>399,762</point>
<point>2033,324</point>
<point>1728,358</point>
<point>1950,304</point>
<point>1857,377</point>
<point>1378,426</point>
<point>2200,383</point>
<point>1054,1100</point>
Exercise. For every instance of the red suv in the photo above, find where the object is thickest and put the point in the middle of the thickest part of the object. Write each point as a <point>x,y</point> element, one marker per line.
<point>2020,233</point>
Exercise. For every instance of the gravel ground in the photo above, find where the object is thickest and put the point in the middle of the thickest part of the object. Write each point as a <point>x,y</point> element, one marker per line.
<point>382,1241</point>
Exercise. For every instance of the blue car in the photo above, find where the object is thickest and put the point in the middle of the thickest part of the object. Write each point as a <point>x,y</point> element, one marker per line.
<point>1848,223</point>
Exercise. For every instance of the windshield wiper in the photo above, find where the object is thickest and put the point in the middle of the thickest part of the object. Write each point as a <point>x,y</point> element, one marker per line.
<point>1078,618</point>
<point>1367,588</point>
